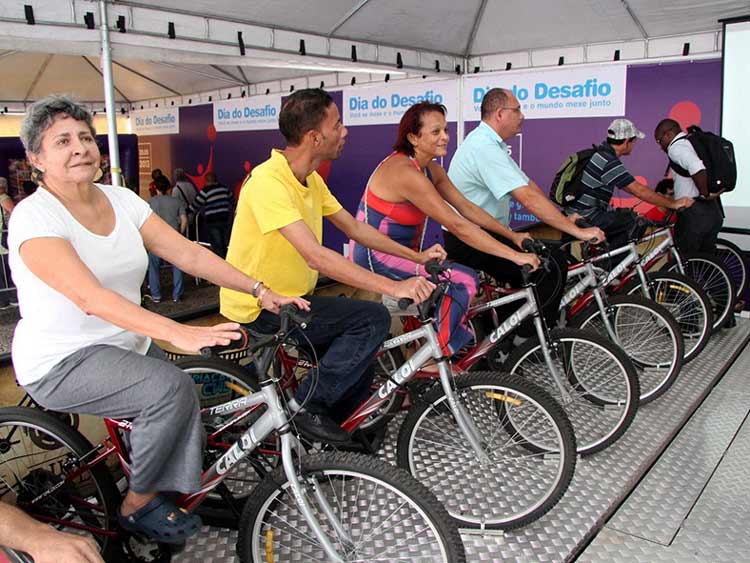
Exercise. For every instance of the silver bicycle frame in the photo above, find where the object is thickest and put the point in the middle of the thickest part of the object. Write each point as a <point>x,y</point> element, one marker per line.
<point>529,308</point>
<point>274,418</point>
<point>431,350</point>
<point>633,258</point>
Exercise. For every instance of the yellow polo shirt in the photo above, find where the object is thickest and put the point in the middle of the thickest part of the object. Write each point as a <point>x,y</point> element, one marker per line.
<point>270,199</point>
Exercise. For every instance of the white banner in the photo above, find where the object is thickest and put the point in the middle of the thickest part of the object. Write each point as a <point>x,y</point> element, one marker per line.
<point>248,114</point>
<point>386,103</point>
<point>586,91</point>
<point>155,121</point>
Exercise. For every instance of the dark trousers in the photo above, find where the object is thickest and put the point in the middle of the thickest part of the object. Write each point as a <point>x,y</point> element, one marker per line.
<point>218,236</point>
<point>351,332</point>
<point>698,227</point>
<point>549,285</point>
<point>618,225</point>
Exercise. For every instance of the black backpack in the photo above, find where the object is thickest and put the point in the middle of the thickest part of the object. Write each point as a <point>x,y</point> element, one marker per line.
<point>717,155</point>
<point>568,186</point>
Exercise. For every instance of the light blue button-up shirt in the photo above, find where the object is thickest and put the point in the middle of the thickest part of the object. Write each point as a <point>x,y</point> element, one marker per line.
<point>485,173</point>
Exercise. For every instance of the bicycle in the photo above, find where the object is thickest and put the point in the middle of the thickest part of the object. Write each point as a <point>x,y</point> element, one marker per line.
<point>646,331</point>
<point>493,423</point>
<point>710,275</point>
<point>593,379</point>
<point>633,275</point>
<point>329,506</point>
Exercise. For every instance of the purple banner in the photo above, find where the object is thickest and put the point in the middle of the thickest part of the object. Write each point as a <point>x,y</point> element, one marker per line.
<point>689,92</point>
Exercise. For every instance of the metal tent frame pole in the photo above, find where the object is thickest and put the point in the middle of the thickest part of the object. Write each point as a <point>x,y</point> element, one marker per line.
<point>109,99</point>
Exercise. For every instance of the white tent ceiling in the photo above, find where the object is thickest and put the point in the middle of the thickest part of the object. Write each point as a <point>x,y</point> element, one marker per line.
<point>205,55</point>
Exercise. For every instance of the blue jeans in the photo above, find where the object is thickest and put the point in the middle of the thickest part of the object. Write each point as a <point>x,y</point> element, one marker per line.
<point>346,334</point>
<point>154,280</point>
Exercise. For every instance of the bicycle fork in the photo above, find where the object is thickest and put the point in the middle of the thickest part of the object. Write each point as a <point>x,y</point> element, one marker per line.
<point>462,416</point>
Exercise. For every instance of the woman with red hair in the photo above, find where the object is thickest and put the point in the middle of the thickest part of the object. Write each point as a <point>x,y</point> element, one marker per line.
<point>409,187</point>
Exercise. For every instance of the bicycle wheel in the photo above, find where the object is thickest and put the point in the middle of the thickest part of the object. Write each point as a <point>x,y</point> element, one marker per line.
<point>218,381</point>
<point>385,514</point>
<point>598,377</point>
<point>648,334</point>
<point>686,301</point>
<point>715,280</point>
<point>54,484</point>
<point>733,258</point>
<point>528,440</point>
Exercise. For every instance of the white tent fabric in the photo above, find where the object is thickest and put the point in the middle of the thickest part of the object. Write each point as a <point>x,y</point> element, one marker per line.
<point>59,54</point>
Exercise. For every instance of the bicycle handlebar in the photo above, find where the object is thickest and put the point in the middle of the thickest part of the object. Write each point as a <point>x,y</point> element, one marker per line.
<point>288,314</point>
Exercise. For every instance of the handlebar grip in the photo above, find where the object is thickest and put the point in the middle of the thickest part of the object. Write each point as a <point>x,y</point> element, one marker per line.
<point>526,270</point>
<point>434,267</point>
<point>582,223</point>
<point>404,303</point>
<point>528,245</point>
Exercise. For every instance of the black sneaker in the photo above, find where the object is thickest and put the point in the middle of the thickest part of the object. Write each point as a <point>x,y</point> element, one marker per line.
<point>320,428</point>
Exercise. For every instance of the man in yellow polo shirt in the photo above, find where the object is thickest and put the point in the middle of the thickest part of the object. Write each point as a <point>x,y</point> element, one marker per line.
<point>277,237</point>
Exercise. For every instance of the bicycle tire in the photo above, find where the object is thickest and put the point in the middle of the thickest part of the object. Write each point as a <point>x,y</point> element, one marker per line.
<point>524,483</point>
<point>89,499</point>
<point>648,334</point>
<point>733,258</point>
<point>716,281</point>
<point>600,379</point>
<point>271,514</point>
<point>686,301</point>
<point>217,381</point>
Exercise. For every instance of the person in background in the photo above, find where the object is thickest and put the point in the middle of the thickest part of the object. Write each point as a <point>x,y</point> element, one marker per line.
<point>6,208</point>
<point>185,191</point>
<point>665,187</point>
<point>697,228</point>
<point>216,204</point>
<point>155,173</point>
<point>6,202</point>
<point>78,252</point>
<point>45,544</point>
<point>173,213</point>
<point>605,173</point>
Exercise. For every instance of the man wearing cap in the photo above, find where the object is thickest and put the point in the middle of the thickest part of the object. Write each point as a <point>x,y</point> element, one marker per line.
<point>696,229</point>
<point>604,173</point>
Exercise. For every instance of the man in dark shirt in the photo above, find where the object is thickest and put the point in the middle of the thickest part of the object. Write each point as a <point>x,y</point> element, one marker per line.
<point>603,174</point>
<point>216,203</point>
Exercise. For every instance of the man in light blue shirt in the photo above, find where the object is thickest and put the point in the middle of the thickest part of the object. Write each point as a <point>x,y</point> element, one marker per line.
<point>485,173</point>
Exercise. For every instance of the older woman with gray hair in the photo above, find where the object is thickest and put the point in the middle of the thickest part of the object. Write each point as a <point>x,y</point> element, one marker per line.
<point>78,253</point>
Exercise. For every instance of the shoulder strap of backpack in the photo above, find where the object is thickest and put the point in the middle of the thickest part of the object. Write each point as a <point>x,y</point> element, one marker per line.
<point>676,168</point>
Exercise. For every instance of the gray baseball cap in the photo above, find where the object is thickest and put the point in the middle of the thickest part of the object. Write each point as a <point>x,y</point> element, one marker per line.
<point>623,129</point>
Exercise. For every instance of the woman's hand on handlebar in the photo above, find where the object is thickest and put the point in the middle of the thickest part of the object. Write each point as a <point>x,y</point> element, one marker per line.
<point>526,258</point>
<point>417,289</point>
<point>435,252</point>
<point>272,301</point>
<point>194,338</point>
